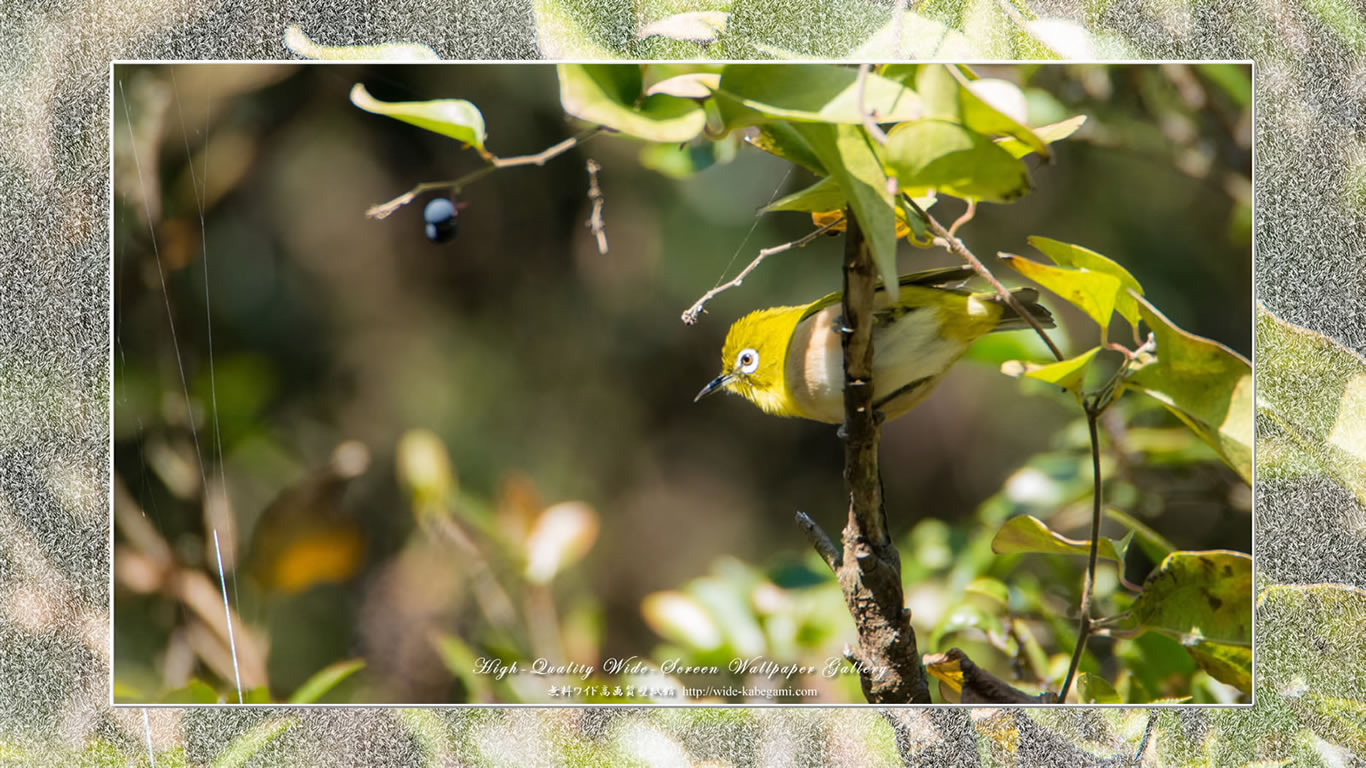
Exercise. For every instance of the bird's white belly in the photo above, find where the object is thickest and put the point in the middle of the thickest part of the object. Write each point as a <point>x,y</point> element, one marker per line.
<point>905,350</point>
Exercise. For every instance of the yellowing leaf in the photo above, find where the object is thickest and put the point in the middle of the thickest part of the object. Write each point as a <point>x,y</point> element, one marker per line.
<point>1048,133</point>
<point>1077,257</point>
<point>1094,293</point>
<point>1068,374</point>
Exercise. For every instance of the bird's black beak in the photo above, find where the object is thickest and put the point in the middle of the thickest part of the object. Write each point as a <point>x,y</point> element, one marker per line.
<point>715,384</point>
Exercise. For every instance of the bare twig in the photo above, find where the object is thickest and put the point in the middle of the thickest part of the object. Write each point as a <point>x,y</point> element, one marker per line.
<point>595,195</point>
<point>965,218</point>
<point>494,163</point>
<point>868,123</point>
<point>1084,625</point>
<point>691,313</point>
<point>820,541</point>
<point>956,247</point>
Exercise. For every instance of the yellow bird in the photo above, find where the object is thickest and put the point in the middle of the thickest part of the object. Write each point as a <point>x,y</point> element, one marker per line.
<point>789,362</point>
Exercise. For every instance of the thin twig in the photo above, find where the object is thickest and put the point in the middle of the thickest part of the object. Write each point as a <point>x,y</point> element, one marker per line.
<point>820,541</point>
<point>494,163</point>
<point>595,195</point>
<point>1084,623</point>
<point>690,315</point>
<point>550,153</point>
<point>868,124</point>
<point>965,218</point>
<point>956,247</point>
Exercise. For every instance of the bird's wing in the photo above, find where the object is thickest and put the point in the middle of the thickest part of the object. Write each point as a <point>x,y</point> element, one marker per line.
<point>927,278</point>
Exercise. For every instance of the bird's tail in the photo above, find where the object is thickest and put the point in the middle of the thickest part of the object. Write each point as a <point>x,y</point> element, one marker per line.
<point>1029,299</point>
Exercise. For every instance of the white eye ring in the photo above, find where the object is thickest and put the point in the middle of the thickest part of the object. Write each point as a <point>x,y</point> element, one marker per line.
<point>747,361</point>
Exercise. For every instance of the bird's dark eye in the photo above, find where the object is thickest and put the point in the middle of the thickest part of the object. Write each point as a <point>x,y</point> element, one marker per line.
<point>747,360</point>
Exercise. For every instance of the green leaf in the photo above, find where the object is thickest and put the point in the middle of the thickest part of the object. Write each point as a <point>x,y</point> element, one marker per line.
<point>1229,664</point>
<point>699,27</point>
<point>1026,533</point>
<point>1234,79</point>
<point>1153,544</point>
<point>1094,689</point>
<point>258,695</point>
<point>682,161</point>
<point>943,156</point>
<point>781,140</point>
<point>965,616</point>
<point>916,37</point>
<point>1313,390</point>
<point>1077,257</point>
<point>1094,293</point>
<point>324,680</point>
<point>690,85</point>
<point>1206,384</point>
<point>298,42</point>
<point>825,93</point>
<point>583,30</point>
<point>845,151</point>
<point>610,95</point>
<point>948,96</point>
<point>195,692</point>
<point>252,741</point>
<point>1069,374</point>
<point>1048,133</point>
<point>1194,597</point>
<point>455,118</point>
<point>460,660</point>
<point>824,195</point>
<point>1310,650</point>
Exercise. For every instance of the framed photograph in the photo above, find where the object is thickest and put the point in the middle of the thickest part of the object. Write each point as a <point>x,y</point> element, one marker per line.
<point>682,384</point>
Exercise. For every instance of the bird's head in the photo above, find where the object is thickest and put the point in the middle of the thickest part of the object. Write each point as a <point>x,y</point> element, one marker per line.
<point>753,358</point>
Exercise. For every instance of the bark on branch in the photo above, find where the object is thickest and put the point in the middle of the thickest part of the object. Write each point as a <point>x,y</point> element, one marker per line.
<point>870,570</point>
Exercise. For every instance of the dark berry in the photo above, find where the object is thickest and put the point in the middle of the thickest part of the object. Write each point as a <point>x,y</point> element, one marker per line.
<point>440,217</point>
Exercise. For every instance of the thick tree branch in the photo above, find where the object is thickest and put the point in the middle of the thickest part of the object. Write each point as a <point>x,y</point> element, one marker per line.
<point>869,572</point>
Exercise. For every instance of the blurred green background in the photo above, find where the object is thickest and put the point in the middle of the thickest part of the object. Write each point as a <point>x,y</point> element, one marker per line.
<point>551,372</point>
